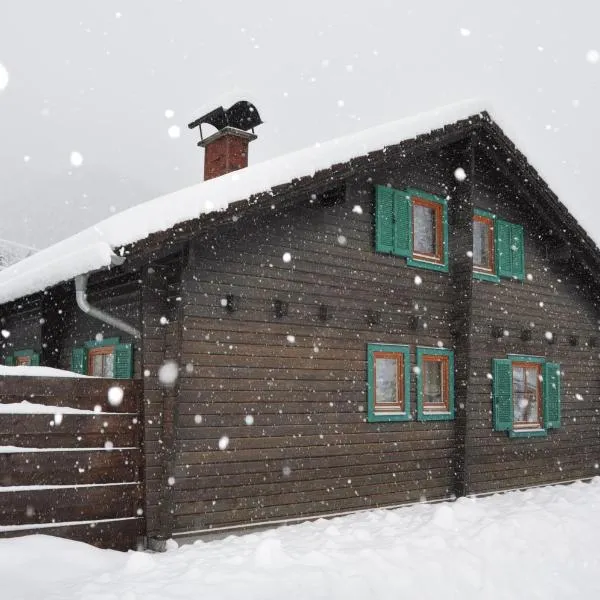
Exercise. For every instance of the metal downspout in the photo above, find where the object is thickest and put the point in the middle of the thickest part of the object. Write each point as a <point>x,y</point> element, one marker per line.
<point>96,313</point>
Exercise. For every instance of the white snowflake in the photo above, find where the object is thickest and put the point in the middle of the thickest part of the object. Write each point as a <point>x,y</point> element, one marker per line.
<point>287,257</point>
<point>592,56</point>
<point>223,442</point>
<point>174,131</point>
<point>3,77</point>
<point>76,159</point>
<point>459,174</point>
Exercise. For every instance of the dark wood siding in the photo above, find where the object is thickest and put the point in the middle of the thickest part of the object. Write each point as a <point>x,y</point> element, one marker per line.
<point>22,322</point>
<point>553,298</point>
<point>309,449</point>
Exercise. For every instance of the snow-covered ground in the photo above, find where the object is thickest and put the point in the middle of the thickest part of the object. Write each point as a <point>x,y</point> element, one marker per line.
<point>540,543</point>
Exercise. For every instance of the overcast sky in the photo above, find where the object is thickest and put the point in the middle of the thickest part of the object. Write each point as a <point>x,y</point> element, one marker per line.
<point>96,77</point>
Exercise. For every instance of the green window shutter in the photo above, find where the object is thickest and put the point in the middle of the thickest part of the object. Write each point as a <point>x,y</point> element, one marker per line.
<point>502,394</point>
<point>517,248</point>
<point>9,361</point>
<point>384,219</point>
<point>551,395</point>
<point>79,361</point>
<point>35,359</point>
<point>503,251</point>
<point>123,361</point>
<point>402,224</point>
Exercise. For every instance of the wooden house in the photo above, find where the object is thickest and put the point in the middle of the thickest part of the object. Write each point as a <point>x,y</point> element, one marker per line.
<point>405,314</point>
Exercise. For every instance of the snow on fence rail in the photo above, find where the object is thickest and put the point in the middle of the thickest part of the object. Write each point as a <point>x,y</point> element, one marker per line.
<point>71,459</point>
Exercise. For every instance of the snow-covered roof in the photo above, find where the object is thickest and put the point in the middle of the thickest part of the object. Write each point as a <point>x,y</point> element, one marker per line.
<point>92,248</point>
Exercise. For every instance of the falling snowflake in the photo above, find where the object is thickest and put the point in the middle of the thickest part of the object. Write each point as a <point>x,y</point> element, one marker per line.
<point>286,471</point>
<point>168,373</point>
<point>459,174</point>
<point>291,339</point>
<point>164,321</point>
<point>287,257</point>
<point>108,445</point>
<point>342,241</point>
<point>357,209</point>
<point>548,335</point>
<point>115,395</point>
<point>3,77</point>
<point>174,131</point>
<point>465,32</point>
<point>169,113</point>
<point>171,481</point>
<point>592,56</point>
<point>578,397</point>
<point>223,302</point>
<point>223,442</point>
<point>58,418</point>
<point>197,419</point>
<point>5,333</point>
<point>249,420</point>
<point>416,370</point>
<point>76,159</point>
<point>418,280</point>
<point>529,277</point>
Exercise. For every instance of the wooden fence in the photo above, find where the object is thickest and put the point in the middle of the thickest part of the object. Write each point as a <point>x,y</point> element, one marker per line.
<point>72,473</point>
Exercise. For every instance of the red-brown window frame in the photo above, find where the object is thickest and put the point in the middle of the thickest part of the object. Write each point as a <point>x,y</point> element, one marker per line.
<point>23,361</point>
<point>388,407</point>
<point>538,392</point>
<point>438,256</point>
<point>444,406</point>
<point>100,350</point>
<point>491,265</point>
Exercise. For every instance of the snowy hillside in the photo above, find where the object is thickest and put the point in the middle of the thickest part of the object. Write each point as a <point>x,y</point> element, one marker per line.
<point>541,543</point>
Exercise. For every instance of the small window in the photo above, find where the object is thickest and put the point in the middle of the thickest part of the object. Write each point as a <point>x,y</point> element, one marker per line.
<point>526,395</point>
<point>388,382</point>
<point>483,244</point>
<point>23,358</point>
<point>101,361</point>
<point>428,242</point>
<point>414,224</point>
<point>105,358</point>
<point>435,384</point>
<point>498,248</point>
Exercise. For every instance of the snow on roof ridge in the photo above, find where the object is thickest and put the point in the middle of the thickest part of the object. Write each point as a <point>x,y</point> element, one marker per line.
<point>90,249</point>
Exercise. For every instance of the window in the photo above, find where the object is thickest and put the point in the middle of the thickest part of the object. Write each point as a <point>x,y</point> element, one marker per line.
<point>498,248</point>
<point>23,358</point>
<point>526,395</point>
<point>105,358</point>
<point>435,384</point>
<point>388,382</point>
<point>413,224</point>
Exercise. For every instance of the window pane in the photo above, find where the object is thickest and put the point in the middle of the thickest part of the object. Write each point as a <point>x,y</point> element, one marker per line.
<point>109,365</point>
<point>386,390</point>
<point>96,369</point>
<point>525,395</point>
<point>424,229</point>
<point>481,244</point>
<point>432,382</point>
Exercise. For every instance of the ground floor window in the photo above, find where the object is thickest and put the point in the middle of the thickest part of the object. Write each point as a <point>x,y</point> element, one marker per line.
<point>435,384</point>
<point>526,395</point>
<point>388,382</point>
<point>103,358</point>
<point>23,358</point>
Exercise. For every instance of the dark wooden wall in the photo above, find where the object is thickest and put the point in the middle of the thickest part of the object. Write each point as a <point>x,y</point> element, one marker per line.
<point>22,321</point>
<point>555,297</point>
<point>89,464</point>
<point>309,449</point>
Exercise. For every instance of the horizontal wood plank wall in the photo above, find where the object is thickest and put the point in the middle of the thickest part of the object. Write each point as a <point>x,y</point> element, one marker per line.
<point>308,449</point>
<point>79,469</point>
<point>554,298</point>
<point>24,328</point>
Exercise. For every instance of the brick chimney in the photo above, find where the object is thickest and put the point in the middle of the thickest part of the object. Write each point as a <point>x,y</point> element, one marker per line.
<point>227,149</point>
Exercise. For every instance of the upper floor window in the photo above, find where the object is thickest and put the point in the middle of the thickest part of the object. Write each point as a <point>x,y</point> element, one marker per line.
<point>498,248</point>
<point>414,224</point>
<point>526,395</point>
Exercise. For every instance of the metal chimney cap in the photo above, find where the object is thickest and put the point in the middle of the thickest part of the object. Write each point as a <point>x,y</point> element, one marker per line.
<point>242,115</point>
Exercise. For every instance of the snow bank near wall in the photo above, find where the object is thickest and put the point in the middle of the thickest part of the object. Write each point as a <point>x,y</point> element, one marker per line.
<point>541,543</point>
<point>27,371</point>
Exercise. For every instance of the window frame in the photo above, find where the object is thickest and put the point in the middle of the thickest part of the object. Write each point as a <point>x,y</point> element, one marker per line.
<point>23,358</point>
<point>545,418</point>
<point>104,350</point>
<point>378,413</point>
<point>529,425</point>
<point>445,356</point>
<point>438,255</point>
<point>394,226</point>
<point>487,273</point>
